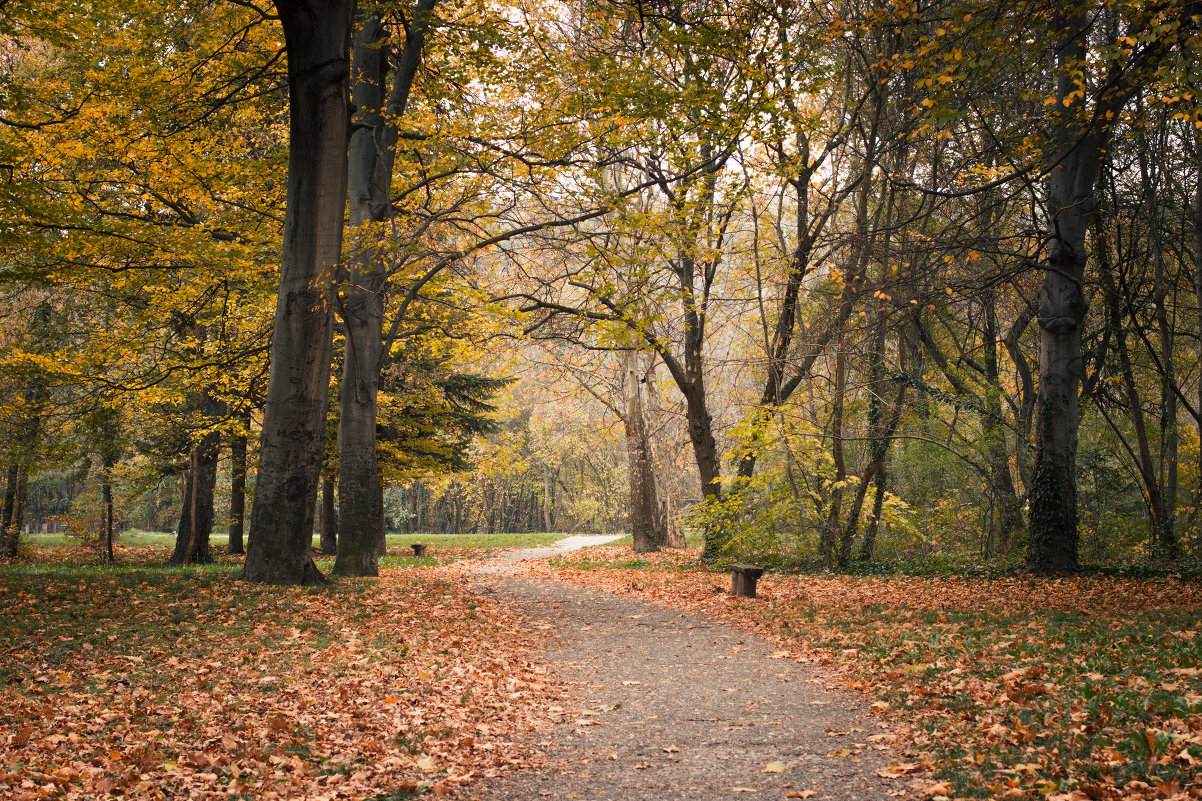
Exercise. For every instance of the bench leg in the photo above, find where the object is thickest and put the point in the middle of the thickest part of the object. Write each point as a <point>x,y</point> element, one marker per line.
<point>742,585</point>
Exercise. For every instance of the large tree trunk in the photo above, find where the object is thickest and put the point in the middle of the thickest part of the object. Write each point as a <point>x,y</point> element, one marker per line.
<point>1062,308</point>
<point>644,505</point>
<point>317,33</point>
<point>1198,292</point>
<point>237,493</point>
<point>196,518</point>
<point>372,152</point>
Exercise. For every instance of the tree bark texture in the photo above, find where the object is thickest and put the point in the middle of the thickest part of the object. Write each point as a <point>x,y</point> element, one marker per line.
<point>329,516</point>
<point>548,493</point>
<point>663,449</point>
<point>371,158</point>
<point>830,533</point>
<point>237,493</point>
<point>196,517</point>
<point>645,528</point>
<point>317,33</point>
<point>1062,308</point>
<point>8,537</point>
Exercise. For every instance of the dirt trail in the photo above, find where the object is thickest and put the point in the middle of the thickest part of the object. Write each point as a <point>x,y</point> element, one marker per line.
<point>674,706</point>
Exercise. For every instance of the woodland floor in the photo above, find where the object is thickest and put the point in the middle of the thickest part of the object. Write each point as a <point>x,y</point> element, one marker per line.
<point>673,705</point>
<point>479,674</point>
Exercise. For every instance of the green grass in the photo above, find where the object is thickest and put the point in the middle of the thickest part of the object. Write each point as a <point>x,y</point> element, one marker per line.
<point>528,540</point>
<point>165,538</point>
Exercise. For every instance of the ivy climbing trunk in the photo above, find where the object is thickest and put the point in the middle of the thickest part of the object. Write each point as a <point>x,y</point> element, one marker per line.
<point>316,33</point>
<point>1078,144</point>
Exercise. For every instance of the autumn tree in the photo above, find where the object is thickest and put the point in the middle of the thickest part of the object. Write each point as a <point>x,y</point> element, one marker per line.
<point>291,444</point>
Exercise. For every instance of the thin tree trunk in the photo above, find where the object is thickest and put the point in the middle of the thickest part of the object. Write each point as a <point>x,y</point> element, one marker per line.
<point>196,518</point>
<point>1000,478</point>
<point>548,486</point>
<point>237,493</point>
<point>106,498</point>
<point>829,536</point>
<point>8,537</point>
<point>106,493</point>
<point>1166,522</point>
<point>317,34</point>
<point>329,516</point>
<point>18,524</point>
<point>665,461</point>
<point>644,505</point>
<point>1198,290</point>
<point>868,547</point>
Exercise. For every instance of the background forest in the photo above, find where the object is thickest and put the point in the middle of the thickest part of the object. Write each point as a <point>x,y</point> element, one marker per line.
<point>823,283</point>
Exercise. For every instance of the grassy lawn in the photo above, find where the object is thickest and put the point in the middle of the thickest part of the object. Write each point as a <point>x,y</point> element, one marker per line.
<point>1066,689</point>
<point>47,553</point>
<point>153,682</point>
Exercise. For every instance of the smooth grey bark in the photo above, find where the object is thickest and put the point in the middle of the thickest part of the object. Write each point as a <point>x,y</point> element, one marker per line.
<point>317,33</point>
<point>361,303</point>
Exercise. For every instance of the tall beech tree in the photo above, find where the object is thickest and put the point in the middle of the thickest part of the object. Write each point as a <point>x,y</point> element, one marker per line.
<point>317,34</point>
<point>380,106</point>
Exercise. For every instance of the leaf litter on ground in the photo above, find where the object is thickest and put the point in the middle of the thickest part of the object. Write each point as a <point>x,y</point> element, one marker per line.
<point>189,684</point>
<point>1066,689</point>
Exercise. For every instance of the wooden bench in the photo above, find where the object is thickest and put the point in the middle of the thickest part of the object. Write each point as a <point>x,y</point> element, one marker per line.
<point>743,579</point>
<point>419,548</point>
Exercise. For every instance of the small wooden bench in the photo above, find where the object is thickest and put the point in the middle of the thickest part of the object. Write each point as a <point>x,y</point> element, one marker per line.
<point>743,579</point>
<point>419,548</point>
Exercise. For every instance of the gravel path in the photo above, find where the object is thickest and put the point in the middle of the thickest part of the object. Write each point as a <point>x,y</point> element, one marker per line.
<point>674,706</point>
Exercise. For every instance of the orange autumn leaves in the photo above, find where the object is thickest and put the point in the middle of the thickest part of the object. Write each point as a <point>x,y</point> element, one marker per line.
<point>1067,689</point>
<point>154,685</point>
